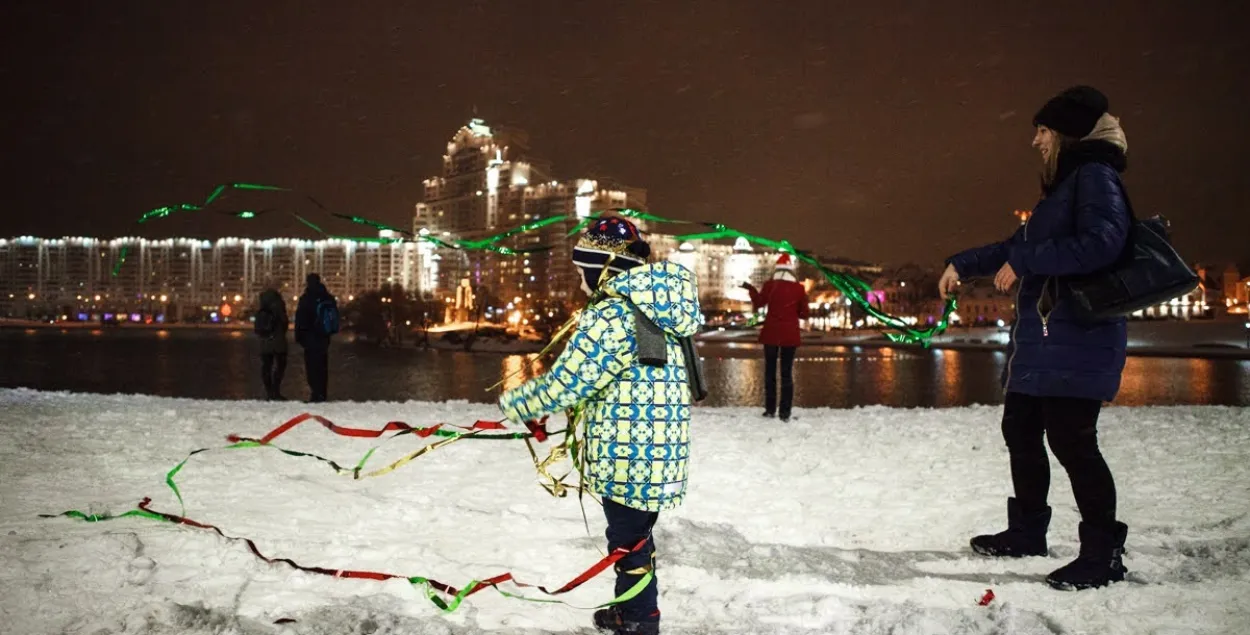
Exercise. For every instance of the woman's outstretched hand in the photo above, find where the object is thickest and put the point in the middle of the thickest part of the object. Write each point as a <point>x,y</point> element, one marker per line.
<point>948,281</point>
<point>1005,278</point>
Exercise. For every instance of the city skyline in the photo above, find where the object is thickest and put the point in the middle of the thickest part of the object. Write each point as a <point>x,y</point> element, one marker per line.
<point>829,125</point>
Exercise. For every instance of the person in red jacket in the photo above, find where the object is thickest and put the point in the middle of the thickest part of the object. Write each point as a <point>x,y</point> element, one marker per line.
<point>786,301</point>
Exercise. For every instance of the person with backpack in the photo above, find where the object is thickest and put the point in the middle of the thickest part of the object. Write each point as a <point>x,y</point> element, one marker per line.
<point>1060,368</point>
<point>626,365</point>
<point>271,325</point>
<point>316,321</point>
<point>786,300</point>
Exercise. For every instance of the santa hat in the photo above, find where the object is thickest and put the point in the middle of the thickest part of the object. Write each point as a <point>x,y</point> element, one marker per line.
<point>785,263</point>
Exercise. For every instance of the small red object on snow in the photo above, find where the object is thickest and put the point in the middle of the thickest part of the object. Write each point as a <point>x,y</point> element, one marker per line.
<point>539,430</point>
<point>987,598</point>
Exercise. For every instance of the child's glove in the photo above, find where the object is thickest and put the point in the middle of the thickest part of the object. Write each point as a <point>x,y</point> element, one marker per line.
<point>539,430</point>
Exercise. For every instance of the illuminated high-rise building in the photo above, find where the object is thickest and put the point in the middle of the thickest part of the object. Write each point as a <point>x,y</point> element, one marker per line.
<point>490,184</point>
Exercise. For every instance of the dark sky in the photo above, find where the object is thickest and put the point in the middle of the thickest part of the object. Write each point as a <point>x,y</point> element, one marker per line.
<point>886,131</point>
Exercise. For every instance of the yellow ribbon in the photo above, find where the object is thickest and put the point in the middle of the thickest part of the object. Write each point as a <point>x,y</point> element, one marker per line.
<point>555,339</point>
<point>566,449</point>
<point>401,462</point>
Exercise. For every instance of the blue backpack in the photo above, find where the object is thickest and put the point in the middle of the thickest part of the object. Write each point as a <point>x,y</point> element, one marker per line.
<point>328,315</point>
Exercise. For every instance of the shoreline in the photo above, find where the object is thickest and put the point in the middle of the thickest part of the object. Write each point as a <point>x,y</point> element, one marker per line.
<point>1218,350</point>
<point>25,324</point>
<point>970,342</point>
<point>1197,352</point>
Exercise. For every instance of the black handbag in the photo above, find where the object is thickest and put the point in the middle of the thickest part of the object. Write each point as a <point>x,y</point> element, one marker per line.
<point>1148,272</point>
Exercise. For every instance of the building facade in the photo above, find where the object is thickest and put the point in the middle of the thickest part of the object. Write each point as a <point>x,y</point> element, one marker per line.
<point>1236,291</point>
<point>183,278</point>
<point>488,185</point>
<point>722,266</point>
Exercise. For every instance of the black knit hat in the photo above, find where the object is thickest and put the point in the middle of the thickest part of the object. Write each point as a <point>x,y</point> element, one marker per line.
<point>611,242</point>
<point>1074,112</point>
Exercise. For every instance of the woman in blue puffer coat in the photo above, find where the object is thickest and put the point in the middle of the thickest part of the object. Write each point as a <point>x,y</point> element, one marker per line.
<point>1060,370</point>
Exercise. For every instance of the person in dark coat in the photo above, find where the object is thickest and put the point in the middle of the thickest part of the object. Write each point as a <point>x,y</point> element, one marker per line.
<point>314,340</point>
<point>786,301</point>
<point>271,327</point>
<point>1060,370</point>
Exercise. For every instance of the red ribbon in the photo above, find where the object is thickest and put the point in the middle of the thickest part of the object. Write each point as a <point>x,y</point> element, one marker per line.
<point>594,570</point>
<point>393,426</point>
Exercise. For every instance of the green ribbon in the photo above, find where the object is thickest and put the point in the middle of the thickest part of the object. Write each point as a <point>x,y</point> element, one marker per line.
<point>851,287</point>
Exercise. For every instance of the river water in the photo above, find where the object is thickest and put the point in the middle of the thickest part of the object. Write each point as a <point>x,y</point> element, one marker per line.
<point>224,364</point>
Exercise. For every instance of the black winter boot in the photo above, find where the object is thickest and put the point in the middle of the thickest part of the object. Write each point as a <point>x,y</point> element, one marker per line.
<point>1025,535</point>
<point>1100,563</point>
<point>609,620</point>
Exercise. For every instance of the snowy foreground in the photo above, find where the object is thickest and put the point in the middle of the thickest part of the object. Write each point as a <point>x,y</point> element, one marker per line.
<point>846,521</point>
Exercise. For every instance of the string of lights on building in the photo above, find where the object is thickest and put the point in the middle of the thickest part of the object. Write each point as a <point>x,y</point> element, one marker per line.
<point>184,278</point>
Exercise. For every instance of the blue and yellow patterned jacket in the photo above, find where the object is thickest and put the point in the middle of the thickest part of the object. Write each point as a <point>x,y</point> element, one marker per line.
<point>637,418</point>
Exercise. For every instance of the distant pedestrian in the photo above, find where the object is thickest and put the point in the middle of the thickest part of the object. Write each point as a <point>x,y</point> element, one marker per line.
<point>316,321</point>
<point>786,301</point>
<point>1061,369</point>
<point>271,326</point>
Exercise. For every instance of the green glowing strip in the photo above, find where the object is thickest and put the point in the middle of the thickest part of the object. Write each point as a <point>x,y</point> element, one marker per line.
<point>256,186</point>
<point>212,197</point>
<point>306,222</point>
<point>851,287</point>
<point>363,239</point>
<point>528,227</point>
<point>359,220</point>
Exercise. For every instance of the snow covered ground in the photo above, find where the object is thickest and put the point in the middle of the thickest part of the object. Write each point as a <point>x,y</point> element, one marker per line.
<point>844,521</point>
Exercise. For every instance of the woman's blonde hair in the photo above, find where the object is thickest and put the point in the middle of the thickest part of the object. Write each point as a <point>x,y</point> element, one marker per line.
<point>1107,129</point>
<point>1050,169</point>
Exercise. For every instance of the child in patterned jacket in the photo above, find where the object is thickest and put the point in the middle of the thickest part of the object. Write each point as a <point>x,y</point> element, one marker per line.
<point>636,409</point>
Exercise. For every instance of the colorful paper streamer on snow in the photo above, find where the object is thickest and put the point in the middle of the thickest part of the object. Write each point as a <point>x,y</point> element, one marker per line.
<point>476,431</point>
<point>479,430</point>
<point>431,586</point>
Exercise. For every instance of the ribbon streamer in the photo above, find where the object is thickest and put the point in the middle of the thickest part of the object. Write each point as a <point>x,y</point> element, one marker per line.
<point>432,587</point>
<point>852,288</point>
<point>476,431</point>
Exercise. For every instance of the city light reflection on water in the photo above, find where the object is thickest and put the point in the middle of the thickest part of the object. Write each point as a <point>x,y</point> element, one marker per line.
<point>225,365</point>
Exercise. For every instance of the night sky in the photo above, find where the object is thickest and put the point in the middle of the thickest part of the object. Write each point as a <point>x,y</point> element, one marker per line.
<point>883,131</point>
